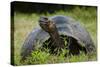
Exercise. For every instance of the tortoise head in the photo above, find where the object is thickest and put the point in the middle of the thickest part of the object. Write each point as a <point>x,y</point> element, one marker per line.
<point>46,24</point>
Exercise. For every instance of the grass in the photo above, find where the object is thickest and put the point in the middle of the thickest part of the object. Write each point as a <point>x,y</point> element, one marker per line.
<point>25,23</point>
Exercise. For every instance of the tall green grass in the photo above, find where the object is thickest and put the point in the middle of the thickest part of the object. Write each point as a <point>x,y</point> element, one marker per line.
<point>25,23</point>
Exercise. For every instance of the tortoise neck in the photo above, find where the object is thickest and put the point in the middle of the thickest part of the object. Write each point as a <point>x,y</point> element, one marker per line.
<point>55,36</point>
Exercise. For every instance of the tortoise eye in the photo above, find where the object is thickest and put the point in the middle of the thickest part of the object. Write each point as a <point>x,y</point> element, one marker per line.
<point>45,18</point>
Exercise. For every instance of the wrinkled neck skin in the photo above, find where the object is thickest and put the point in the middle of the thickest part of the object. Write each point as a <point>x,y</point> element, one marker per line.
<point>55,37</point>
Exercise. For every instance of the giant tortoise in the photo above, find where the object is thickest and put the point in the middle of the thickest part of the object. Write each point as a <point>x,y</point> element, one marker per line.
<point>53,27</point>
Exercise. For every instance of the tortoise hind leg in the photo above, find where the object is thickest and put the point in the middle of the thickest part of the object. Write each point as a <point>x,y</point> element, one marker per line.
<point>73,46</point>
<point>73,50</point>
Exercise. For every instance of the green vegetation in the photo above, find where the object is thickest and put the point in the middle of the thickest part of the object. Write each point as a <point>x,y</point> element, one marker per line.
<point>25,23</point>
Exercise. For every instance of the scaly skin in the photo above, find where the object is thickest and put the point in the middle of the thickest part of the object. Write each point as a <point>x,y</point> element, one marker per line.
<point>50,27</point>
